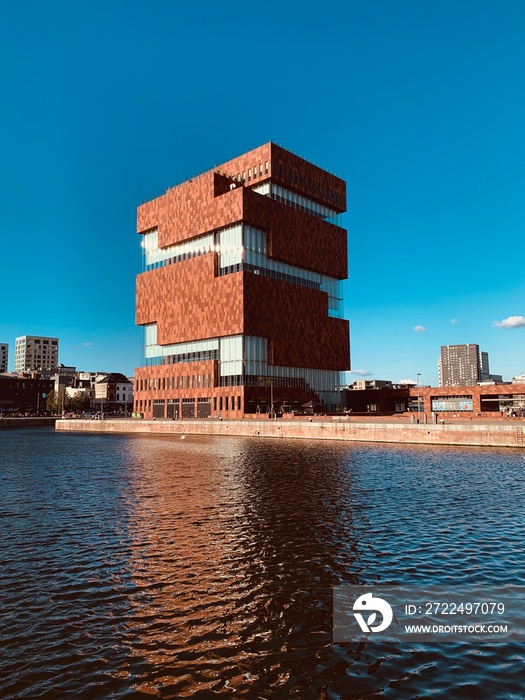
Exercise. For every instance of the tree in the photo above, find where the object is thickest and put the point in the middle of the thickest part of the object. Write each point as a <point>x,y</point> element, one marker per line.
<point>80,402</point>
<point>57,401</point>
<point>51,401</point>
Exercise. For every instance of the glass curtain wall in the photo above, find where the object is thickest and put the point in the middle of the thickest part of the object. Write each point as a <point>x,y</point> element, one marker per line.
<point>256,260</point>
<point>192,351</point>
<point>297,201</point>
<point>243,360</point>
<point>241,247</point>
<point>244,247</point>
<point>229,247</point>
<point>155,257</point>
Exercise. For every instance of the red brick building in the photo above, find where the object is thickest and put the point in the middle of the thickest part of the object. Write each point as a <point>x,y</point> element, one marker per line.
<point>484,400</point>
<point>481,401</point>
<point>239,298</point>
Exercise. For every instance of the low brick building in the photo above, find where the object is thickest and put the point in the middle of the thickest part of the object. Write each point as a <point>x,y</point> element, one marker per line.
<point>487,400</point>
<point>19,394</point>
<point>481,401</point>
<point>383,401</point>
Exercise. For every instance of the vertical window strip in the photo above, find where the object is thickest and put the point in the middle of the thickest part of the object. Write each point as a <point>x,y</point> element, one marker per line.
<point>230,246</point>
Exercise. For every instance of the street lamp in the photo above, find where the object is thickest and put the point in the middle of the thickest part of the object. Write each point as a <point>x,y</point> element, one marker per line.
<point>418,403</point>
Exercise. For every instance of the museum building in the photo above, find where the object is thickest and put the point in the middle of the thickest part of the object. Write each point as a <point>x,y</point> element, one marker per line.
<point>240,295</point>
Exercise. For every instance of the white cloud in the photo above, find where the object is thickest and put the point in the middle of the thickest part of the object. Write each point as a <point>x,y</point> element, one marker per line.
<point>420,329</point>
<point>407,381</point>
<point>361,372</point>
<point>511,322</point>
<point>453,321</point>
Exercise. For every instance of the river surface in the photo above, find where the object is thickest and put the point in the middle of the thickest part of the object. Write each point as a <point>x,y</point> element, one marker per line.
<point>144,567</point>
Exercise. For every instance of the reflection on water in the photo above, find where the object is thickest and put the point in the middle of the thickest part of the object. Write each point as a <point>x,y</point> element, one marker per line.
<point>156,567</point>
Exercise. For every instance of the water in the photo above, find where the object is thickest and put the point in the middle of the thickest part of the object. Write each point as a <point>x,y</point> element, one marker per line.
<point>140,567</point>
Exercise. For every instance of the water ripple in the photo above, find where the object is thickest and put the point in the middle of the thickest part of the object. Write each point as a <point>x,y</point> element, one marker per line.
<point>139,567</point>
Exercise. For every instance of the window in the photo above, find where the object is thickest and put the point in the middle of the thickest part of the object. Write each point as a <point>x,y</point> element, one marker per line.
<point>260,168</point>
<point>249,174</point>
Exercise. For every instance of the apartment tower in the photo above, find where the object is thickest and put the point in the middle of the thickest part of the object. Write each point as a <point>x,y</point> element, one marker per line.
<point>464,365</point>
<point>34,352</point>
<point>239,298</point>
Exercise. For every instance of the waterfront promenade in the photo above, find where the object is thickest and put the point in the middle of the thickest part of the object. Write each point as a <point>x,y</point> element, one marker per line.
<point>476,433</point>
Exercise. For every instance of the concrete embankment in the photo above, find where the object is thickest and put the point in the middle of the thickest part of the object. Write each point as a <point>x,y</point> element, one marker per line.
<point>476,434</point>
<point>6,423</point>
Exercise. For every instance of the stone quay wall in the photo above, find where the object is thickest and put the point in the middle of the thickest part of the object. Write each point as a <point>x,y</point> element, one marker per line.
<point>6,423</point>
<point>475,434</point>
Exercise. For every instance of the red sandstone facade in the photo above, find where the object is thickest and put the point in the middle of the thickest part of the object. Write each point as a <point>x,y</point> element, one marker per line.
<point>239,297</point>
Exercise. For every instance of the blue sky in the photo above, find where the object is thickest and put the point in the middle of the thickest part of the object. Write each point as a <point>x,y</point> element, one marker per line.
<point>418,105</point>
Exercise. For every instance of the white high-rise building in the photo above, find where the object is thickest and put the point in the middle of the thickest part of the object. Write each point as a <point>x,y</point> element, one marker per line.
<point>34,352</point>
<point>4,352</point>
